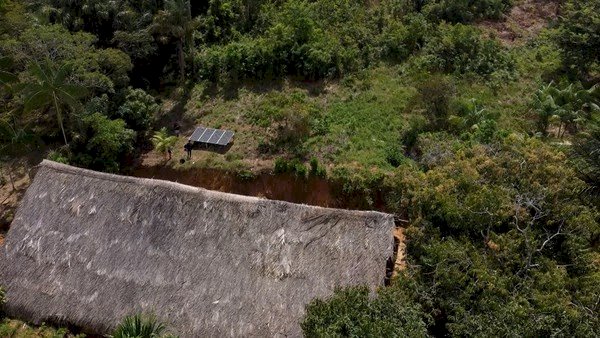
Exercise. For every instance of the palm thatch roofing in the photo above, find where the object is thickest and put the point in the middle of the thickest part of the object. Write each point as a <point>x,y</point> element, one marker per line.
<point>88,248</point>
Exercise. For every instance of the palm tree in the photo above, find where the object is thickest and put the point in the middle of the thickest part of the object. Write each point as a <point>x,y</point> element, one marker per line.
<point>140,327</point>
<point>162,141</point>
<point>175,21</point>
<point>52,88</point>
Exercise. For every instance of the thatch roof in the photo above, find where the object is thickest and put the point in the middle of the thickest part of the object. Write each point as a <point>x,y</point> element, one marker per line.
<point>88,248</point>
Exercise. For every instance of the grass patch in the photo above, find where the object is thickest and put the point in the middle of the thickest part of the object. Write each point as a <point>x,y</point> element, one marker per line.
<point>354,122</point>
<point>11,328</point>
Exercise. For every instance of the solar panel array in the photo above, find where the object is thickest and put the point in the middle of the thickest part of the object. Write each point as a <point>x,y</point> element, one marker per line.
<point>212,136</point>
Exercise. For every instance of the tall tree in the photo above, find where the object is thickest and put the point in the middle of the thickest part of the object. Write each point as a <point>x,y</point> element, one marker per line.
<point>579,34</point>
<point>51,88</point>
<point>176,22</point>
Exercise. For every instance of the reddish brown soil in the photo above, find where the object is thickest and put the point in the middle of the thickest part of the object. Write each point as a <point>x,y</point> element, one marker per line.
<point>526,19</point>
<point>10,198</point>
<point>400,263</point>
<point>284,187</point>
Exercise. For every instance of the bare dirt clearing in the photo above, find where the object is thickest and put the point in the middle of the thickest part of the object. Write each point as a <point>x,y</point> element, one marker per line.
<point>525,21</point>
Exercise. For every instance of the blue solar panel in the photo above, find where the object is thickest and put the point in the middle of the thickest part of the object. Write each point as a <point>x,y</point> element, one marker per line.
<point>206,135</point>
<point>216,136</point>
<point>197,134</point>
<point>212,136</point>
<point>225,138</point>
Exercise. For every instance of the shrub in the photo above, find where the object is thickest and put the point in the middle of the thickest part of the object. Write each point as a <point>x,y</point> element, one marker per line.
<point>246,175</point>
<point>310,39</point>
<point>281,166</point>
<point>57,156</point>
<point>578,35</point>
<point>353,312</point>
<point>485,131</point>
<point>298,168</point>
<point>394,155</point>
<point>314,166</point>
<point>466,10</point>
<point>435,95</point>
<point>102,144</point>
<point>460,49</point>
<point>416,126</point>
<point>97,104</point>
<point>401,38</point>
<point>138,110</point>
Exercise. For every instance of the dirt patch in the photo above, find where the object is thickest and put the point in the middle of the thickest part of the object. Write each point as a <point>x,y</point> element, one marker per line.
<point>400,263</point>
<point>525,21</point>
<point>283,187</point>
<point>11,193</point>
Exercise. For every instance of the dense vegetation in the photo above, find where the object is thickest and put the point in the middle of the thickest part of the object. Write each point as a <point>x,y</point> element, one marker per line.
<point>490,150</point>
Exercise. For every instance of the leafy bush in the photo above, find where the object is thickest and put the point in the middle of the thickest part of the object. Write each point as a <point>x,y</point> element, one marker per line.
<point>102,144</point>
<point>316,169</point>
<point>57,156</point>
<point>309,39</point>
<point>435,95</point>
<point>579,34</point>
<point>281,166</point>
<point>460,49</point>
<point>352,312</point>
<point>138,111</point>
<point>416,126</point>
<point>485,131</point>
<point>97,104</point>
<point>294,166</point>
<point>246,175</point>
<point>298,168</point>
<point>394,155</point>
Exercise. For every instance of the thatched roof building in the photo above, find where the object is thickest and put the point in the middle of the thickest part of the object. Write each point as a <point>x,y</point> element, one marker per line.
<point>88,248</point>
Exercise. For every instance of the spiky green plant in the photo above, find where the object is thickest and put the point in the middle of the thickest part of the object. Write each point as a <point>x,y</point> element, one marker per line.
<point>162,141</point>
<point>139,326</point>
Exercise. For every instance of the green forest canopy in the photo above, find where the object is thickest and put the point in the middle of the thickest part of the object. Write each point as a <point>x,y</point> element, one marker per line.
<point>490,150</point>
